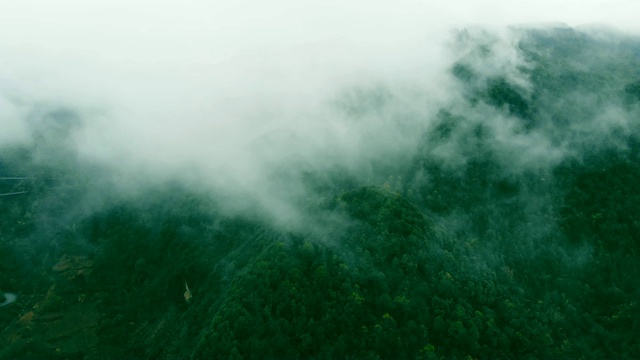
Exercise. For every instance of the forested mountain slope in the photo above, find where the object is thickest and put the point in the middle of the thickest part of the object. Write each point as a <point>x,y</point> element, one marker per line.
<point>509,231</point>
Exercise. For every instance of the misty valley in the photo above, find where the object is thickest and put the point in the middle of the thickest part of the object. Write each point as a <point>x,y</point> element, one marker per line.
<point>500,224</point>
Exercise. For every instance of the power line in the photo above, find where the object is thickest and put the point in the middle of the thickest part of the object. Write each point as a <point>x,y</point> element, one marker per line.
<point>14,178</point>
<point>53,188</point>
<point>15,193</point>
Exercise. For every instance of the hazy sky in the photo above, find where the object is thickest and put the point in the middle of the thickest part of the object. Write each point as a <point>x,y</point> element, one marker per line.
<point>203,31</point>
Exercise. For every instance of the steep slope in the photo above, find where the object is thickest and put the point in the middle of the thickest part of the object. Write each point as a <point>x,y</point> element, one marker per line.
<point>508,231</point>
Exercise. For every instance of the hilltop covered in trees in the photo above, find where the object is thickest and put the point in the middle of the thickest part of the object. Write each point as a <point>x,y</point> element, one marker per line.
<point>509,231</point>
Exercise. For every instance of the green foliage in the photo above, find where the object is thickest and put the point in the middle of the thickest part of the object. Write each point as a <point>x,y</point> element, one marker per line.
<point>501,94</point>
<point>633,90</point>
<point>464,253</point>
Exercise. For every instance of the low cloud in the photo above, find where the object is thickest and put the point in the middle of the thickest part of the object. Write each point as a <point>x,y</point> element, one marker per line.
<point>248,99</point>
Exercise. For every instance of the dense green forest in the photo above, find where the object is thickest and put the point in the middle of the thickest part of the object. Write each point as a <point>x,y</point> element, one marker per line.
<point>511,231</point>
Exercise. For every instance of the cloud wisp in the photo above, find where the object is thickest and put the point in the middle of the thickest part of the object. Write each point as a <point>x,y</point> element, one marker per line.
<point>246,98</point>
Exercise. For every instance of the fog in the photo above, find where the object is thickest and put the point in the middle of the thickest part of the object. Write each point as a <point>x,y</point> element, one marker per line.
<point>448,179</point>
<point>246,97</point>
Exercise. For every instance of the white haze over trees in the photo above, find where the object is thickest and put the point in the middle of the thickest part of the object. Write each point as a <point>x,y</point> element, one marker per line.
<point>246,96</point>
<point>319,180</point>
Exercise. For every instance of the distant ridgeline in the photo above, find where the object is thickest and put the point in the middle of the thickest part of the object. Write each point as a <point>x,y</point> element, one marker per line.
<point>513,233</point>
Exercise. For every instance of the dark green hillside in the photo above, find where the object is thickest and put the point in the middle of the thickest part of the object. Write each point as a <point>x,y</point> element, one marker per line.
<point>512,232</point>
